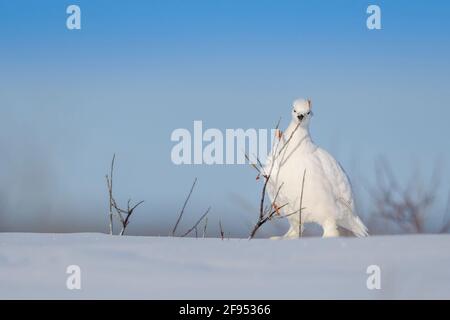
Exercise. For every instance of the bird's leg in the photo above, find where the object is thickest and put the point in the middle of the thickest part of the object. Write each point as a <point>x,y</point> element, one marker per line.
<point>330,229</point>
<point>276,238</point>
<point>292,233</point>
<point>288,235</point>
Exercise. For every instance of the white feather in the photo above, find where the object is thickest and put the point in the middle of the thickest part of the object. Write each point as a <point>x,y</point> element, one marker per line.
<point>327,194</point>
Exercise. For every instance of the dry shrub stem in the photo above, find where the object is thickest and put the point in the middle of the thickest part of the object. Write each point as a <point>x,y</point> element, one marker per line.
<point>184,207</point>
<point>194,227</point>
<point>406,208</point>
<point>123,215</point>
<point>266,213</point>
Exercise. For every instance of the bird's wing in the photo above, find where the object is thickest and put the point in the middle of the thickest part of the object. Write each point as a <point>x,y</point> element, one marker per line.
<point>343,193</point>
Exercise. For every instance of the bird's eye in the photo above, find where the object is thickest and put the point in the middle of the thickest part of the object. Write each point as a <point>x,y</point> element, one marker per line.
<point>294,111</point>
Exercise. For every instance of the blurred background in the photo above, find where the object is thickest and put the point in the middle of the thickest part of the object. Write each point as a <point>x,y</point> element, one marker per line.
<point>70,99</point>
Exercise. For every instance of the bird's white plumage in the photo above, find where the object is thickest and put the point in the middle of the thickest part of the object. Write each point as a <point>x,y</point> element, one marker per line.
<point>327,197</point>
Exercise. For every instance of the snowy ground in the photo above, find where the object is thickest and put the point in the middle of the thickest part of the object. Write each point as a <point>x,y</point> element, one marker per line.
<point>34,266</point>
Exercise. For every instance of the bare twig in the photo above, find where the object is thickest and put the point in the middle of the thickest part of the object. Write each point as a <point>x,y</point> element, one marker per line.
<point>300,229</point>
<point>128,214</point>
<point>446,226</point>
<point>289,139</point>
<point>222,234</point>
<point>122,214</point>
<point>184,206</point>
<point>205,226</point>
<point>267,178</point>
<point>289,214</point>
<point>271,215</point>
<point>266,214</point>
<point>253,165</point>
<point>194,227</point>
<point>405,207</point>
<point>109,182</point>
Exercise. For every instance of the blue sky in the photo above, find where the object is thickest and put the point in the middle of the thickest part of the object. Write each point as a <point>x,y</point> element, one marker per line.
<point>138,70</point>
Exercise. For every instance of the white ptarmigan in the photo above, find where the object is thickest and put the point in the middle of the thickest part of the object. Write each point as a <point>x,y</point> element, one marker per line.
<point>326,196</point>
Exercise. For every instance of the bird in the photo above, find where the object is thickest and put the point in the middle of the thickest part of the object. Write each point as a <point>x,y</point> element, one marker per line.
<point>306,184</point>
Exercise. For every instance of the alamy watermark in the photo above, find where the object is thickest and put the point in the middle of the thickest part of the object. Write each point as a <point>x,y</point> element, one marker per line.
<point>213,146</point>
<point>73,21</point>
<point>373,281</point>
<point>373,21</point>
<point>73,281</point>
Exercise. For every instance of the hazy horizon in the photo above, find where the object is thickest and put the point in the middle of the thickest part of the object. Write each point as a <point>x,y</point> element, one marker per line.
<point>70,99</point>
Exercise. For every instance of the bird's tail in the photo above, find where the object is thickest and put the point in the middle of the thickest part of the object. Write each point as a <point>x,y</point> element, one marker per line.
<point>358,227</point>
<point>353,223</point>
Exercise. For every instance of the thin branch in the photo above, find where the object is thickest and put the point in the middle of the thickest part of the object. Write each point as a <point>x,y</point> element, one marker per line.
<point>222,234</point>
<point>290,138</point>
<point>264,213</point>
<point>268,215</point>
<point>446,227</point>
<point>267,178</point>
<point>128,215</point>
<point>109,182</point>
<point>290,214</point>
<point>253,165</point>
<point>205,226</point>
<point>184,206</point>
<point>300,229</point>
<point>197,223</point>
<point>405,207</point>
<point>114,209</point>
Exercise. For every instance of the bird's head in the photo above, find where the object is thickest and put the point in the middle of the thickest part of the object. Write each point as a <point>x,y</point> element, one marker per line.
<point>302,111</point>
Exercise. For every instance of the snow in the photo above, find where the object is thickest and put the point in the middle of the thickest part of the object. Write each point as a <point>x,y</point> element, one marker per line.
<point>34,266</point>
